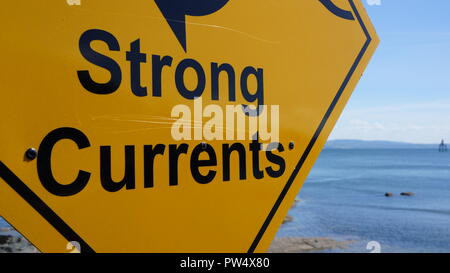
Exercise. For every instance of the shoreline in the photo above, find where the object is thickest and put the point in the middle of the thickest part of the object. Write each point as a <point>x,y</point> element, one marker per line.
<point>10,242</point>
<point>13,242</point>
<point>306,244</point>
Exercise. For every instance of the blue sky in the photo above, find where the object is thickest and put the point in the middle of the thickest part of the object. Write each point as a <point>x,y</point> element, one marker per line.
<point>404,94</point>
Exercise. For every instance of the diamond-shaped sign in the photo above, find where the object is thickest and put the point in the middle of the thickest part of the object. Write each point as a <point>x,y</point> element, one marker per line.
<point>116,134</point>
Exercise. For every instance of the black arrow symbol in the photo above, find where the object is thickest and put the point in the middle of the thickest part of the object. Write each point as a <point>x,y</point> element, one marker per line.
<point>175,12</point>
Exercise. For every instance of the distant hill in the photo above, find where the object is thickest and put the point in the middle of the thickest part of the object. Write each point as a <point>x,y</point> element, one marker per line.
<point>375,144</point>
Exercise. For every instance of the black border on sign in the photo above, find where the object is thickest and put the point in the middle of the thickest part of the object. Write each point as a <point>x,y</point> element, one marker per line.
<point>316,134</point>
<point>68,233</point>
<point>42,208</point>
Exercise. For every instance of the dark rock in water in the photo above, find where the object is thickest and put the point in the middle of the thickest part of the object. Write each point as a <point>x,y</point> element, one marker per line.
<point>389,194</point>
<point>15,244</point>
<point>407,193</point>
<point>6,250</point>
<point>295,203</point>
<point>4,239</point>
<point>288,219</point>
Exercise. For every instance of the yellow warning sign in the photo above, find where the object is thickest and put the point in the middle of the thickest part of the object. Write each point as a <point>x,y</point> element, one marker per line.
<point>168,125</point>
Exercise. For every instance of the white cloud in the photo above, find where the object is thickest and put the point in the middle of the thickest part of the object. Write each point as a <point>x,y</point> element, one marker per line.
<point>419,123</point>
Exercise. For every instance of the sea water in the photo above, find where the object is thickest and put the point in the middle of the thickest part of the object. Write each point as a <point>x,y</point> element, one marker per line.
<point>3,223</point>
<point>343,199</point>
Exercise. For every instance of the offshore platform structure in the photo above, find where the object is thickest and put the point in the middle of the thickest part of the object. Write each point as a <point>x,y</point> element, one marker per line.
<point>442,147</point>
